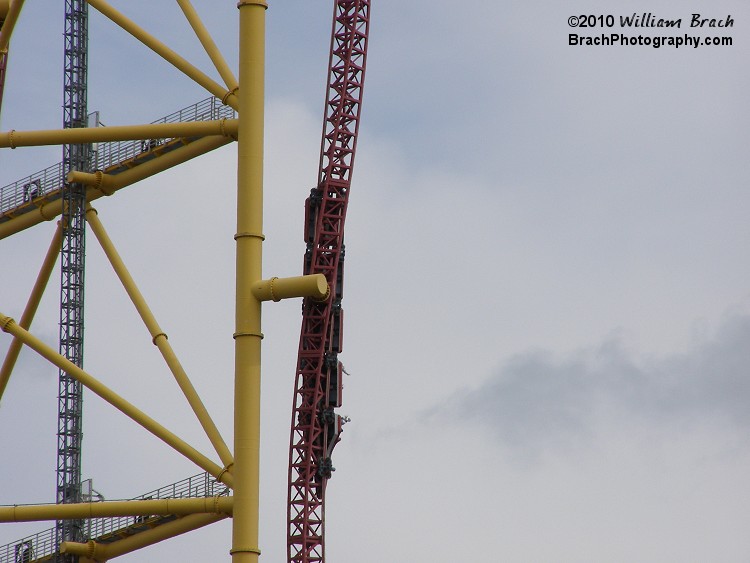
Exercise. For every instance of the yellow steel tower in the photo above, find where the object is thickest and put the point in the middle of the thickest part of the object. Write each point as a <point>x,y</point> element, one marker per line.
<point>127,155</point>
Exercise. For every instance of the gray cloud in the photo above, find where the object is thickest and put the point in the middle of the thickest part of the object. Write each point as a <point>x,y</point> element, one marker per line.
<point>536,400</point>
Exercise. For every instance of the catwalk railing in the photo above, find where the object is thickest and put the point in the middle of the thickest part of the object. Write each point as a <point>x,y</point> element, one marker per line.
<point>110,158</point>
<point>42,545</point>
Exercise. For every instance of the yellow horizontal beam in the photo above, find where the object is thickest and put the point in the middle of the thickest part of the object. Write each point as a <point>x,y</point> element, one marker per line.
<point>13,139</point>
<point>103,552</point>
<point>227,97</point>
<point>167,506</point>
<point>276,289</point>
<point>10,326</point>
<point>48,211</point>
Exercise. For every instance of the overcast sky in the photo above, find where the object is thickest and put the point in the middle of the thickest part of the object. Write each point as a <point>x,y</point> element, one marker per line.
<point>547,306</point>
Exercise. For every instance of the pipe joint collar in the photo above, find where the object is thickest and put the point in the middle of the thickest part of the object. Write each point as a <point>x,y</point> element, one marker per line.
<point>242,3</point>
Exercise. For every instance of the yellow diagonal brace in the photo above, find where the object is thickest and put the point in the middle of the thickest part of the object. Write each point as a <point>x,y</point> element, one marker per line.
<point>10,18</point>
<point>112,182</point>
<point>165,506</point>
<point>159,338</point>
<point>106,551</point>
<point>49,211</point>
<point>208,44</point>
<point>10,326</point>
<point>31,306</point>
<point>76,136</point>
<point>165,52</point>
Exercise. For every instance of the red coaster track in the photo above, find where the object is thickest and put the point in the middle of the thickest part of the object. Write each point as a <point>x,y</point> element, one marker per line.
<point>316,427</point>
<point>3,66</point>
<point>3,55</point>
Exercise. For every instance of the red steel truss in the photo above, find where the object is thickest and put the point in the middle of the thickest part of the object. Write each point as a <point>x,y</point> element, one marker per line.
<point>3,66</point>
<point>316,427</point>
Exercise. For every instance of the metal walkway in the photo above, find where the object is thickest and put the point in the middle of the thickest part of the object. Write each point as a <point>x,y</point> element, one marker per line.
<point>28,193</point>
<point>41,547</point>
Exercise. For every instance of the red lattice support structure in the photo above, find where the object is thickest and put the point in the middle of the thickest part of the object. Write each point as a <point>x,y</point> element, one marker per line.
<point>316,427</point>
<point>3,66</point>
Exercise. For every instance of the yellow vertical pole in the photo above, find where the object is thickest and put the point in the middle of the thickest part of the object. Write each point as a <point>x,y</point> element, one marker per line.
<point>249,250</point>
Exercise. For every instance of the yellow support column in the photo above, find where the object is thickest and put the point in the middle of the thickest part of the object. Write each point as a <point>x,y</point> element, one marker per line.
<point>249,239</point>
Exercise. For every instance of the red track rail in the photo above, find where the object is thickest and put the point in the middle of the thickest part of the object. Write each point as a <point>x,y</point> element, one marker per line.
<point>315,426</point>
<point>3,66</point>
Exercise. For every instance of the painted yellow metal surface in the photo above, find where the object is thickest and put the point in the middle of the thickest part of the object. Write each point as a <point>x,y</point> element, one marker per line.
<point>249,243</point>
<point>241,470</point>
<point>12,11</point>
<point>14,139</point>
<point>226,96</point>
<point>159,338</point>
<point>104,184</point>
<point>31,306</point>
<point>102,552</point>
<point>276,289</point>
<point>165,506</point>
<point>8,325</point>
<point>208,44</point>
